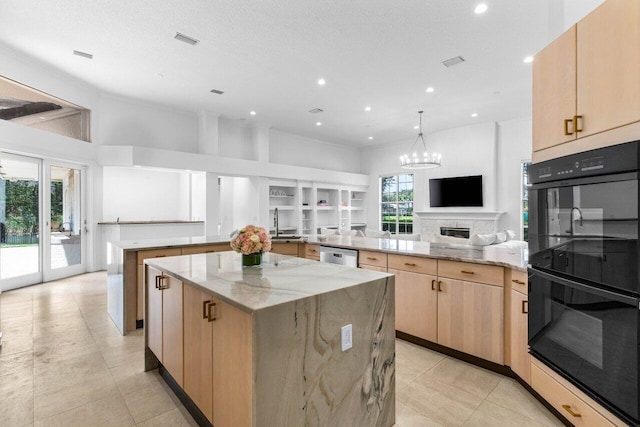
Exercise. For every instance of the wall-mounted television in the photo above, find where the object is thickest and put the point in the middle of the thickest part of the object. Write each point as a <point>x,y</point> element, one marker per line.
<point>456,191</point>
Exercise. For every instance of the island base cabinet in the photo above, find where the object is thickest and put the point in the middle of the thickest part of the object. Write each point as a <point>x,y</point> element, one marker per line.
<point>470,318</point>
<point>416,304</point>
<point>154,313</point>
<point>519,347</point>
<point>198,350</point>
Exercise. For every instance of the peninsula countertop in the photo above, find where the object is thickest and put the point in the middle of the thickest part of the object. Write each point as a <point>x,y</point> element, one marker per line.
<point>280,279</point>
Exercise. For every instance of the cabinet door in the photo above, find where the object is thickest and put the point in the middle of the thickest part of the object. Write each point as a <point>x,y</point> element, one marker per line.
<point>232,367</point>
<point>416,304</point>
<point>198,356</point>
<point>520,362</point>
<point>153,322</point>
<point>609,66</point>
<point>554,91</point>
<point>470,318</point>
<point>172,343</point>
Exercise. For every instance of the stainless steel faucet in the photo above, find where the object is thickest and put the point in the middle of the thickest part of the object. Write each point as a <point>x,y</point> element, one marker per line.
<point>571,219</point>
<point>275,221</point>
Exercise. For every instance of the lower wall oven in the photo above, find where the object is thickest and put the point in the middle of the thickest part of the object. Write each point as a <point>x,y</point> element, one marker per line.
<point>584,284</point>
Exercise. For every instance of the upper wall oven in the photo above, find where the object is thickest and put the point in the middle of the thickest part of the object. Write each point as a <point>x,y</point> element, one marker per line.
<point>584,217</point>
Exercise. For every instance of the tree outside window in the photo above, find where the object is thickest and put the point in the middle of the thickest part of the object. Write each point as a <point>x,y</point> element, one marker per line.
<point>396,204</point>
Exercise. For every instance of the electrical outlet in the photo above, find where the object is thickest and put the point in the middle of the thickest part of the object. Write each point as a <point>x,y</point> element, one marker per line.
<point>347,337</point>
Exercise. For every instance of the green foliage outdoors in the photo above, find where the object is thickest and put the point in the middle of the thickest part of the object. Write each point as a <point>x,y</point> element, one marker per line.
<point>22,205</point>
<point>392,218</point>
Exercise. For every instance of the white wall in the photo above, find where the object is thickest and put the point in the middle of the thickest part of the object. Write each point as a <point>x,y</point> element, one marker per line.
<point>234,138</point>
<point>139,194</point>
<point>514,147</point>
<point>289,149</point>
<point>467,150</point>
<point>238,203</point>
<point>128,122</point>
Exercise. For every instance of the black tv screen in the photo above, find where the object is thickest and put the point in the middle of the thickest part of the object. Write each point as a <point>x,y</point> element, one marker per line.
<point>457,191</point>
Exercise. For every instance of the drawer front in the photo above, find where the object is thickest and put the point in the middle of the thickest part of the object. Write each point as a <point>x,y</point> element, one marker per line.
<point>471,272</point>
<point>285,248</point>
<point>568,404</point>
<point>312,251</point>
<point>377,259</point>
<point>192,250</point>
<point>374,268</point>
<point>158,253</point>
<point>414,264</point>
<point>517,279</point>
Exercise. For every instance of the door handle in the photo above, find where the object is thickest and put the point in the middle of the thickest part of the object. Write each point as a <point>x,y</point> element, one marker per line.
<point>439,286</point>
<point>211,316</point>
<point>575,124</point>
<point>525,307</point>
<point>571,411</point>
<point>433,285</point>
<point>204,308</point>
<point>566,126</point>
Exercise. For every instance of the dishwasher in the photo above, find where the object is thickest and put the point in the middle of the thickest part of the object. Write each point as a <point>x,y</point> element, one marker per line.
<point>346,257</point>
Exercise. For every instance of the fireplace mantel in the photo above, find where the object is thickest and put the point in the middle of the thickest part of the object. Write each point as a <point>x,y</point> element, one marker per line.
<point>478,222</point>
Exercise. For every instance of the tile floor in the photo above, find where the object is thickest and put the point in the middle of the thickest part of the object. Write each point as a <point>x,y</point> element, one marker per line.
<point>63,363</point>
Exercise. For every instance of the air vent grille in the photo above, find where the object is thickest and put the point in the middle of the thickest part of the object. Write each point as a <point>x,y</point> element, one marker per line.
<point>186,39</point>
<point>217,92</point>
<point>453,61</point>
<point>316,110</point>
<point>83,54</point>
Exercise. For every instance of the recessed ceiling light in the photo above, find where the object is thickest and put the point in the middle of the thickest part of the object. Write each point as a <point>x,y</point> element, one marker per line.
<point>186,39</point>
<point>481,8</point>
<point>370,137</point>
<point>321,82</point>
<point>188,170</point>
<point>430,89</point>
<point>83,54</point>
<point>318,124</point>
<point>253,113</point>
<point>137,166</point>
<point>528,59</point>
<point>367,108</point>
<point>416,127</point>
<point>474,115</point>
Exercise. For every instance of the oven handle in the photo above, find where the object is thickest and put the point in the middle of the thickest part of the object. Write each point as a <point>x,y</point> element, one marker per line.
<point>598,179</point>
<point>587,288</point>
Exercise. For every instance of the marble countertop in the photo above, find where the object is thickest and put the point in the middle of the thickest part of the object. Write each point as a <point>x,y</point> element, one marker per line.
<point>280,279</point>
<point>149,222</point>
<point>507,257</point>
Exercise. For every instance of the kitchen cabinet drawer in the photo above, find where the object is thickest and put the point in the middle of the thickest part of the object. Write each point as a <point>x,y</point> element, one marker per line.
<point>312,252</point>
<point>285,248</point>
<point>158,253</point>
<point>192,250</point>
<point>414,264</point>
<point>480,273</point>
<point>560,394</point>
<point>517,279</point>
<point>373,268</point>
<point>378,259</point>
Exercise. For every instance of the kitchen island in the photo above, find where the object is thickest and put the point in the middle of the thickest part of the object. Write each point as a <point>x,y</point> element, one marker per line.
<point>265,346</point>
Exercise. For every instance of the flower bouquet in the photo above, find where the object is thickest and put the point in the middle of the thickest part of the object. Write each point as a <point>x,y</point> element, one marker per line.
<point>251,241</point>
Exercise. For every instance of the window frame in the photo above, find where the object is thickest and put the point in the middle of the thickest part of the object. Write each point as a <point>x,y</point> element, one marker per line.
<point>398,227</point>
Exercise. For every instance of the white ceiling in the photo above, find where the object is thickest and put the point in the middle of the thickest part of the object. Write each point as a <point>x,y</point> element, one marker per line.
<point>267,55</point>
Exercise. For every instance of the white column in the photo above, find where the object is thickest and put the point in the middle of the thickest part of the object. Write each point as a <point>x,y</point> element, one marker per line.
<point>208,137</point>
<point>212,215</point>
<point>260,141</point>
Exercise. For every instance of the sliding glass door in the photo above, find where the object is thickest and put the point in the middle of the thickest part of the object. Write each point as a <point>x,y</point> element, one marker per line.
<point>40,201</point>
<point>20,218</point>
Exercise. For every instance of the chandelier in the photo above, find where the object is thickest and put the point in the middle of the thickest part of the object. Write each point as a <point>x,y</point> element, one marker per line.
<point>425,161</point>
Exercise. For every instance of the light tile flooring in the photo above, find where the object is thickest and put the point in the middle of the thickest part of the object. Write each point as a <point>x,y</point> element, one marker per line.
<point>63,363</point>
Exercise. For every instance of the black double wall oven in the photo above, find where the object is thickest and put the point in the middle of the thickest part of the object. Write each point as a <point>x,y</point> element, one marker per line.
<point>584,288</point>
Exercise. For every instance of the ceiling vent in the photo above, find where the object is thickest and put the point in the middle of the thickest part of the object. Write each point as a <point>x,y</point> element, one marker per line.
<point>83,54</point>
<point>453,61</point>
<point>316,110</point>
<point>217,92</point>
<point>186,39</point>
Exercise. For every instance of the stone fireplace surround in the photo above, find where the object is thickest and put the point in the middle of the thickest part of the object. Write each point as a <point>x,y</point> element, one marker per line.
<point>478,222</point>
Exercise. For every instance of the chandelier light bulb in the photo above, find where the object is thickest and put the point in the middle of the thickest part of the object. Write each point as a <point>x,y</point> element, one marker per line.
<point>427,161</point>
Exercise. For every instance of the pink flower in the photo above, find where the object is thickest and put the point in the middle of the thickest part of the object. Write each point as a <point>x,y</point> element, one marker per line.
<point>251,239</point>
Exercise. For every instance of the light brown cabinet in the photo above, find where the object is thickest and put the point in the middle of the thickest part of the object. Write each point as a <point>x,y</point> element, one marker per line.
<point>141,256</point>
<point>312,252</point>
<point>205,249</point>
<point>416,304</point>
<point>585,82</point>
<point>516,351</point>
<point>285,248</point>
<point>164,310</point>
<point>372,259</point>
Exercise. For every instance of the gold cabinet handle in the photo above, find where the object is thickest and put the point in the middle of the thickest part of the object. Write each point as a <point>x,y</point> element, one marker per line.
<point>466,272</point>
<point>525,307</point>
<point>410,264</point>
<point>372,258</point>
<point>211,316</point>
<point>566,126</point>
<point>575,124</point>
<point>571,411</point>
<point>159,285</point>
<point>158,282</point>
<point>433,285</point>
<point>439,286</point>
<point>160,256</point>
<point>519,282</point>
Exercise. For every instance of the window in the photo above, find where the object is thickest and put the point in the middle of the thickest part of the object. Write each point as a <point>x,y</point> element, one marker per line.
<point>525,200</point>
<point>396,204</point>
